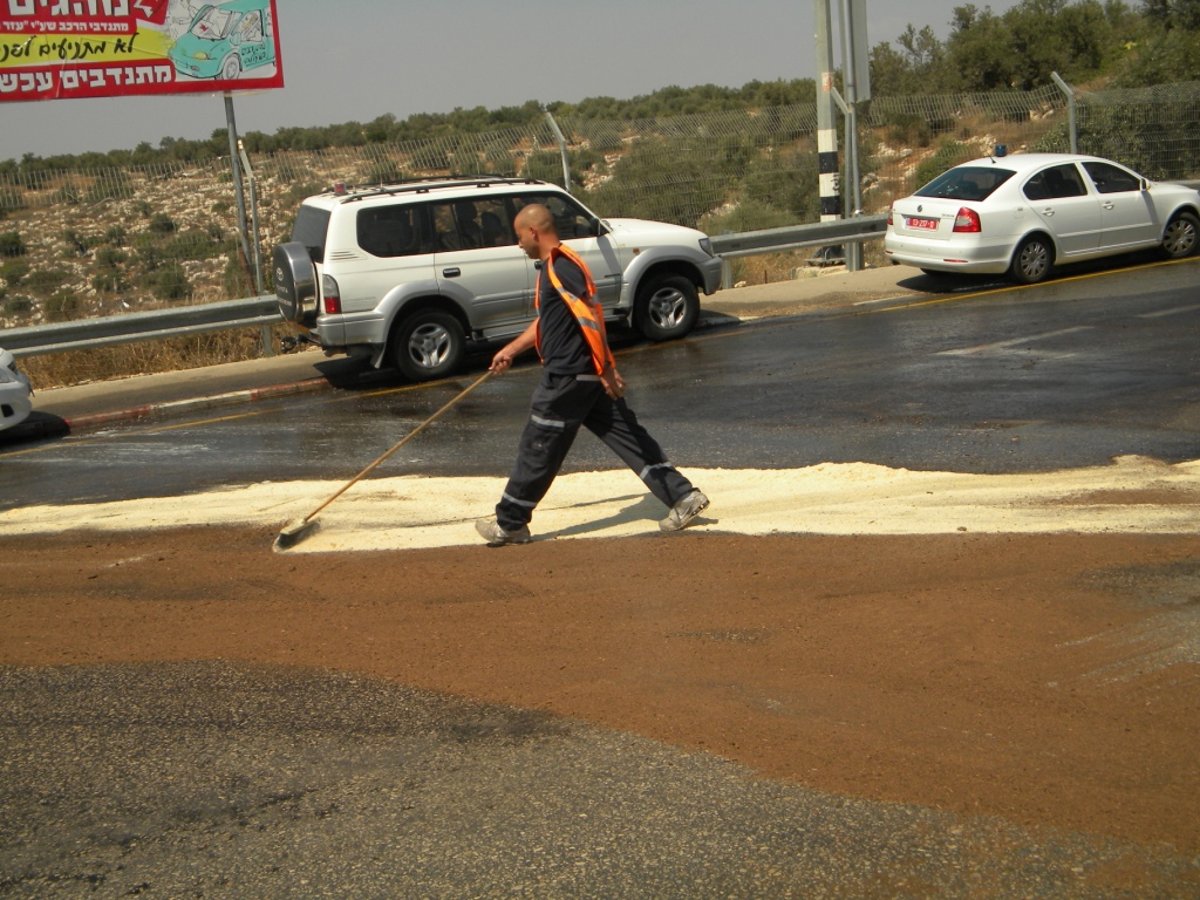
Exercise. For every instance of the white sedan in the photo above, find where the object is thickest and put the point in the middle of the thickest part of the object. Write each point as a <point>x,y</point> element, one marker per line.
<point>1026,213</point>
<point>15,392</point>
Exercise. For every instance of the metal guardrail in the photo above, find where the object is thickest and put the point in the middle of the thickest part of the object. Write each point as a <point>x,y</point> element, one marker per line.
<point>86,334</point>
<point>796,237</point>
<point>262,311</point>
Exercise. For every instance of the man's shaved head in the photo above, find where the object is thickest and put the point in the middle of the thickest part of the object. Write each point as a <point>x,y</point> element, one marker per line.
<point>536,232</point>
<point>535,215</point>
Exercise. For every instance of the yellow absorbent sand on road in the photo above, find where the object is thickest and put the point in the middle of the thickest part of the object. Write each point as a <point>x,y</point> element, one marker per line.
<point>1132,495</point>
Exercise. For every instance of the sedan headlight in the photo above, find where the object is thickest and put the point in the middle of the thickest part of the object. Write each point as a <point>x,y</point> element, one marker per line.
<point>9,373</point>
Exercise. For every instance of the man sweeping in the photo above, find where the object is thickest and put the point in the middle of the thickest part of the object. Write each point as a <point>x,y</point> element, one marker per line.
<point>579,385</point>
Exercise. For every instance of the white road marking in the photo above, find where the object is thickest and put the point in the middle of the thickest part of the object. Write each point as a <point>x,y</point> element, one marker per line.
<point>1163,313</point>
<point>1009,346</point>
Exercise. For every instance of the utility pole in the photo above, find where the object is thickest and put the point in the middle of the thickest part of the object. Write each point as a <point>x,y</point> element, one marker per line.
<point>827,146</point>
<point>850,74</point>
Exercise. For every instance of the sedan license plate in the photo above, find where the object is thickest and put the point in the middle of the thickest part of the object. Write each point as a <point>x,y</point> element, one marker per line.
<point>922,223</point>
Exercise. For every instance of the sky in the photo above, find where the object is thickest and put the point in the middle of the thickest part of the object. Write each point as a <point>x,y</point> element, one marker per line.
<point>355,60</point>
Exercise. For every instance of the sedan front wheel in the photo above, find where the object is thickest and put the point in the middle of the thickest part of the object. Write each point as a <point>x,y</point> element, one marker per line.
<point>1179,238</point>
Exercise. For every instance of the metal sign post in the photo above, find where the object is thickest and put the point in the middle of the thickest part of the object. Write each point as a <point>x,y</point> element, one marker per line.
<point>858,87</point>
<point>857,81</point>
<point>235,162</point>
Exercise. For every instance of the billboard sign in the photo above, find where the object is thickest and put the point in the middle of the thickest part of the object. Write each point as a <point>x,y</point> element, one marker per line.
<point>73,49</point>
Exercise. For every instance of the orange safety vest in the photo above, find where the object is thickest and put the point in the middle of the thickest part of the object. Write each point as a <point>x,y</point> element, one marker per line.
<point>588,313</point>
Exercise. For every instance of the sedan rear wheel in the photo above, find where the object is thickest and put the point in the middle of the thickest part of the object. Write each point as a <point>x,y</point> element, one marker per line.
<point>1179,239</point>
<point>1031,263</point>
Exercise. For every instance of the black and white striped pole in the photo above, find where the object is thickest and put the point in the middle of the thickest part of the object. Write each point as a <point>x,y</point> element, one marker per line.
<point>827,142</point>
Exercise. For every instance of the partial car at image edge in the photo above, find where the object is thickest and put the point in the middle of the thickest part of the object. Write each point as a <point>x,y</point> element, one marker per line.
<point>1025,214</point>
<point>16,393</point>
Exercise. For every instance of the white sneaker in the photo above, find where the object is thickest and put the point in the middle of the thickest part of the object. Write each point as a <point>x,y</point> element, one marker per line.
<point>684,511</point>
<point>490,531</point>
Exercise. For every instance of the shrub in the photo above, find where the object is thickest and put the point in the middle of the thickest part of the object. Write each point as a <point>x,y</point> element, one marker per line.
<point>110,257</point>
<point>44,281</point>
<point>80,244</point>
<point>62,306</point>
<point>11,244</point>
<point>108,281</point>
<point>170,282</point>
<point>17,305</point>
<point>947,156</point>
<point>195,244</point>
<point>161,223</point>
<point>14,271</point>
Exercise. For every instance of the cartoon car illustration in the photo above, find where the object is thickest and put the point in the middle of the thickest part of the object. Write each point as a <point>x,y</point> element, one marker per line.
<point>225,40</point>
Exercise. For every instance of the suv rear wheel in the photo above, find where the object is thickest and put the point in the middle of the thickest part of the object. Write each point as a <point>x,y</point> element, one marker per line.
<point>667,307</point>
<point>428,344</point>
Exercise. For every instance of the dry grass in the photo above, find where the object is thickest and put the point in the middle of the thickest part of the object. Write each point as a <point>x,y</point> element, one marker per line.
<point>146,357</point>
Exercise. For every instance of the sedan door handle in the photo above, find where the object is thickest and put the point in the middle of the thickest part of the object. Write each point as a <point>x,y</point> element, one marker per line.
<point>1047,212</point>
<point>452,272</point>
<point>1109,204</point>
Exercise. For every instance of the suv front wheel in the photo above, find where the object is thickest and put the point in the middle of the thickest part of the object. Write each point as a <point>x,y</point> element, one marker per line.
<point>428,344</point>
<point>667,307</point>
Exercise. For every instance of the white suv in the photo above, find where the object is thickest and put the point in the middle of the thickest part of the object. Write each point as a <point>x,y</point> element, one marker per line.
<point>409,274</point>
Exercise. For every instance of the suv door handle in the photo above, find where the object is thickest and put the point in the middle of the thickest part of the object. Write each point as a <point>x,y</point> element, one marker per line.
<point>452,272</point>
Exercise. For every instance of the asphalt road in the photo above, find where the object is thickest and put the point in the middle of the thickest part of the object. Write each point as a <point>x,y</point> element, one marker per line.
<point>1068,374</point>
<point>213,778</point>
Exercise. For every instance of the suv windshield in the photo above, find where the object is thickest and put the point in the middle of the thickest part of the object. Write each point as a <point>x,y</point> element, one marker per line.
<point>966,183</point>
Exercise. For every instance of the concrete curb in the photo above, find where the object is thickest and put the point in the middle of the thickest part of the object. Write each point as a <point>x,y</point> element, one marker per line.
<point>93,421</point>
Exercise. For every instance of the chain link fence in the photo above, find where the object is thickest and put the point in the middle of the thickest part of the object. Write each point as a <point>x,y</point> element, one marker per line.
<point>75,244</point>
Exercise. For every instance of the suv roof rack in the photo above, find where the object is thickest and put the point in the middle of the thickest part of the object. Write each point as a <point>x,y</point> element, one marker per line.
<point>427,183</point>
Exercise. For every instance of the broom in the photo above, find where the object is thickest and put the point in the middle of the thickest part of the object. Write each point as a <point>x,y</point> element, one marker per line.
<point>297,529</point>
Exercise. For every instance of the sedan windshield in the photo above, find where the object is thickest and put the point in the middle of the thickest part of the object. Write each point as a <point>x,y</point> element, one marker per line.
<point>966,183</point>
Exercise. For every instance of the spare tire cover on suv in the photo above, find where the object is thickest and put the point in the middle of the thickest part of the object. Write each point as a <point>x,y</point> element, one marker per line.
<point>295,283</point>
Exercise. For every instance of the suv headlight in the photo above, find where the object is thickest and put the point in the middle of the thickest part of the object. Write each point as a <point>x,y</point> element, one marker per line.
<point>706,246</point>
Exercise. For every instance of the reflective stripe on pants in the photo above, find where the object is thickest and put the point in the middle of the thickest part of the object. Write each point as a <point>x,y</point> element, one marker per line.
<point>561,404</point>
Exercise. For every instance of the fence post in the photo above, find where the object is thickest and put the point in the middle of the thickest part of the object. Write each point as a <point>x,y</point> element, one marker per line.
<point>237,175</point>
<point>562,150</point>
<point>1071,123</point>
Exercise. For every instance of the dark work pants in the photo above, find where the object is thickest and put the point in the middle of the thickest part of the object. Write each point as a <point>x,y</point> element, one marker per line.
<point>562,403</point>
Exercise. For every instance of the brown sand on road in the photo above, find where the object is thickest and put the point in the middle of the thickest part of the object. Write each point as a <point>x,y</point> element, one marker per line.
<point>1035,657</point>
